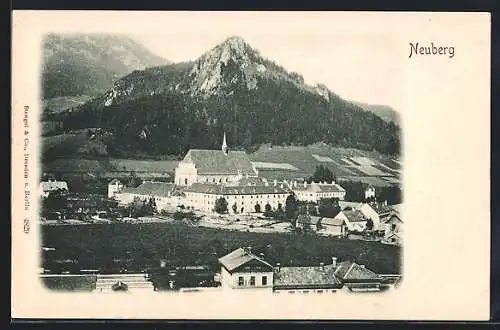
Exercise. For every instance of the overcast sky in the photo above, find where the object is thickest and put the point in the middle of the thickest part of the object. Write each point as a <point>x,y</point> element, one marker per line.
<point>355,57</point>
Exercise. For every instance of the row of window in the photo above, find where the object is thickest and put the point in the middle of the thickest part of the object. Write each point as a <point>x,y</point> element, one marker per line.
<point>241,281</point>
<point>308,291</point>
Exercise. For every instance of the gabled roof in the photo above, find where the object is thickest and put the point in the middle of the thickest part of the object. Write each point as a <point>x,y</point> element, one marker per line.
<point>391,216</point>
<point>53,185</point>
<point>307,277</point>
<point>250,181</point>
<point>217,189</point>
<point>332,221</point>
<point>350,271</point>
<point>156,189</point>
<point>354,216</point>
<point>114,181</point>
<point>315,219</point>
<point>319,187</point>
<point>380,208</point>
<point>216,162</point>
<point>238,258</point>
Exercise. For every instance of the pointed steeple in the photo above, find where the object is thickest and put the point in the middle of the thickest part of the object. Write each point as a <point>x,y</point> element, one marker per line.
<point>224,144</point>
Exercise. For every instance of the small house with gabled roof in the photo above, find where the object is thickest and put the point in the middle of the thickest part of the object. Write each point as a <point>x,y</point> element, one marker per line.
<point>241,269</point>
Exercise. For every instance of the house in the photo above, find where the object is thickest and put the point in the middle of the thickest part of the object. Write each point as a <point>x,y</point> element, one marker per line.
<point>315,191</point>
<point>350,205</point>
<point>357,277</point>
<point>213,166</point>
<point>241,269</point>
<point>354,220</point>
<point>370,192</point>
<point>308,221</point>
<point>393,229</point>
<point>46,187</point>
<point>163,193</point>
<point>114,187</point>
<point>240,199</point>
<point>333,227</point>
<point>307,279</point>
<point>376,212</point>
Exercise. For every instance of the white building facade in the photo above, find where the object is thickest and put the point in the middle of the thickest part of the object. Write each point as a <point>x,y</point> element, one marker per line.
<point>213,167</point>
<point>315,191</point>
<point>243,199</point>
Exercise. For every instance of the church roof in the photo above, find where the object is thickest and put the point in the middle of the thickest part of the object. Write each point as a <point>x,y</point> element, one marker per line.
<point>216,162</point>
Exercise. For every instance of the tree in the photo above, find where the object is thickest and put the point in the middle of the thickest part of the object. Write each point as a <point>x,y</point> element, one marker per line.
<point>221,205</point>
<point>257,208</point>
<point>311,209</point>
<point>328,208</point>
<point>322,173</point>
<point>268,210</point>
<point>291,208</point>
<point>369,224</point>
<point>235,208</point>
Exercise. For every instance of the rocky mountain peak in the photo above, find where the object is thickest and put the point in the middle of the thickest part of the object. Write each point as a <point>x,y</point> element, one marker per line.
<point>230,62</point>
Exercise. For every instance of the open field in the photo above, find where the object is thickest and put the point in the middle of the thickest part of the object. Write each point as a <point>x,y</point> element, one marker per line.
<point>343,162</point>
<point>141,247</point>
<point>280,163</point>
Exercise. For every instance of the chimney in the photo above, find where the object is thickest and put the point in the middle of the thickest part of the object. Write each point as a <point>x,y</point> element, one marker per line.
<point>305,184</point>
<point>275,182</point>
<point>322,266</point>
<point>334,262</point>
<point>278,266</point>
<point>295,183</point>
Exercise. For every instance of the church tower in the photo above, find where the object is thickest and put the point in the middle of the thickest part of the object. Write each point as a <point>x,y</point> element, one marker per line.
<point>224,144</point>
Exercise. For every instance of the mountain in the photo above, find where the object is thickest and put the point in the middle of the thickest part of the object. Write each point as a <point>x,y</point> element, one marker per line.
<point>87,65</point>
<point>231,88</point>
<point>383,111</point>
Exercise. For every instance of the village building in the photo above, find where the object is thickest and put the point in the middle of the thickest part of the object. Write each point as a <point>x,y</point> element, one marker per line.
<point>241,269</point>
<point>114,187</point>
<point>344,205</point>
<point>357,277</point>
<point>307,279</point>
<point>370,192</point>
<point>333,227</point>
<point>315,191</point>
<point>214,166</point>
<point>354,220</point>
<point>164,195</point>
<point>393,229</point>
<point>243,199</point>
<point>46,187</point>
<point>306,221</point>
<point>376,212</point>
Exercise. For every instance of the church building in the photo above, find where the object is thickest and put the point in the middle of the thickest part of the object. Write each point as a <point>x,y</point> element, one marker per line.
<point>214,166</point>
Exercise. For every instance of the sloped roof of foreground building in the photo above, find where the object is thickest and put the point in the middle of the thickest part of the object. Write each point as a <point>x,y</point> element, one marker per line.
<point>348,271</point>
<point>217,189</point>
<point>240,257</point>
<point>217,162</point>
<point>306,277</point>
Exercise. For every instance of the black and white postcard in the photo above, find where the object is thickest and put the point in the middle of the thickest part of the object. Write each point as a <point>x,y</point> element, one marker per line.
<point>243,165</point>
